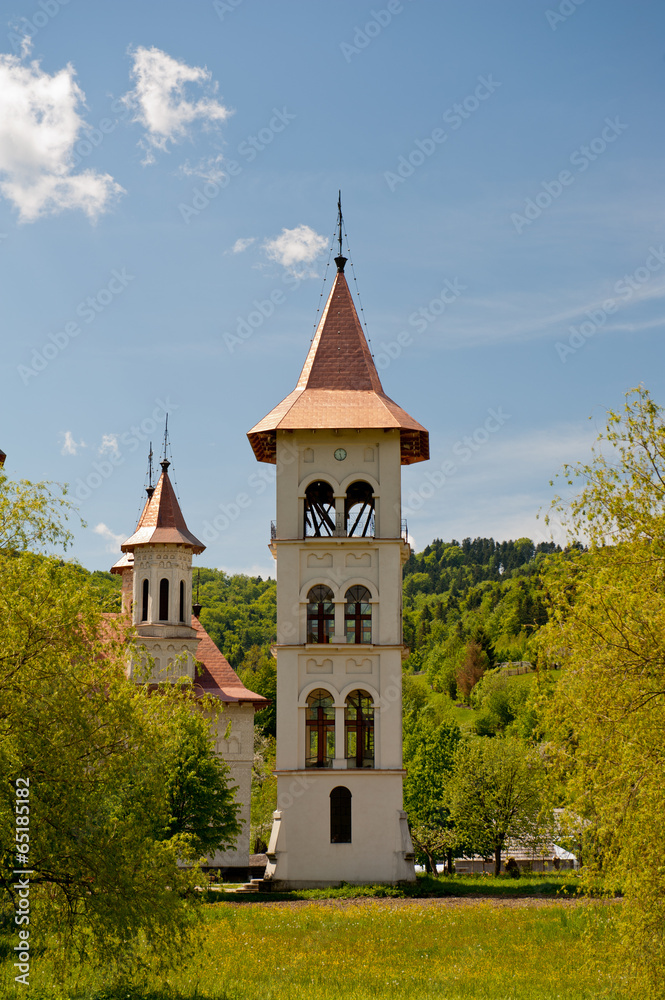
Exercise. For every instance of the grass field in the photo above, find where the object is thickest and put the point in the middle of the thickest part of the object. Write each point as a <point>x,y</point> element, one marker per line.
<point>369,949</point>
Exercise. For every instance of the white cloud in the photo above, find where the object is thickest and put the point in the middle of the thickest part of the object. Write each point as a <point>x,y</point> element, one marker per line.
<point>109,443</point>
<point>113,541</point>
<point>296,250</point>
<point>242,244</point>
<point>69,445</point>
<point>160,102</point>
<point>39,125</point>
<point>208,169</point>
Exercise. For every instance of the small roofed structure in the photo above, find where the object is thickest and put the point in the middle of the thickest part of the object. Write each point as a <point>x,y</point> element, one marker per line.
<point>339,387</point>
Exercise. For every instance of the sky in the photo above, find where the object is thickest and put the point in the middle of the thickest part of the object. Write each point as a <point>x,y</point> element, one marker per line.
<point>168,197</point>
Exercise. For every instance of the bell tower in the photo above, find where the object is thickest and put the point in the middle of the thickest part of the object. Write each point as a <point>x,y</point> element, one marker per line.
<point>338,443</point>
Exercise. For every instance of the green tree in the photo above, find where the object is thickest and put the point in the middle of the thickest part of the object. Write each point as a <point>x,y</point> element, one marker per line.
<point>494,794</point>
<point>201,801</point>
<point>264,790</point>
<point>91,748</point>
<point>429,752</point>
<point>472,668</point>
<point>607,631</point>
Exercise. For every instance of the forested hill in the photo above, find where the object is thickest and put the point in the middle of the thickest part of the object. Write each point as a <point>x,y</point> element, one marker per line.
<point>475,591</point>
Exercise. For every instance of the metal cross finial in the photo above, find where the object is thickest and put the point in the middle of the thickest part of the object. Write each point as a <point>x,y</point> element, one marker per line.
<point>150,489</point>
<point>165,462</point>
<point>340,260</point>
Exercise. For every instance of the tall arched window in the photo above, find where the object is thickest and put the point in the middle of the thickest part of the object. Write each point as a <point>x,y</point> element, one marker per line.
<point>320,729</point>
<point>144,601</point>
<point>319,510</point>
<point>358,615</point>
<point>340,815</point>
<point>182,600</point>
<point>163,600</point>
<point>359,730</point>
<point>359,510</point>
<point>320,614</point>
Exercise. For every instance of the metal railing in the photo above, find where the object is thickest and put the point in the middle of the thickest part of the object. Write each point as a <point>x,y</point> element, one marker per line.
<point>273,530</point>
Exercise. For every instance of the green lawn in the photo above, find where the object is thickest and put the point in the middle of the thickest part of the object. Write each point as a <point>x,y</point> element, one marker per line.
<point>411,949</point>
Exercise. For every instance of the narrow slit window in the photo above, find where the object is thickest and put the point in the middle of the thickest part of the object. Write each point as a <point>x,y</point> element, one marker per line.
<point>359,730</point>
<point>182,600</point>
<point>164,600</point>
<point>320,731</point>
<point>144,601</point>
<point>340,815</point>
<point>358,615</point>
<point>320,614</point>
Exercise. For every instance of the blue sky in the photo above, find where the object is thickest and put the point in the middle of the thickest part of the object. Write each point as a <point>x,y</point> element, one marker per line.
<point>168,183</point>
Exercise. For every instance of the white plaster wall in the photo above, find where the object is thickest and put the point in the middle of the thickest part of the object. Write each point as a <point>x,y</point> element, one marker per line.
<point>300,848</point>
<point>237,748</point>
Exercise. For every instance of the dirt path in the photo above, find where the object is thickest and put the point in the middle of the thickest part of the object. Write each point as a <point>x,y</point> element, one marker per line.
<point>445,902</point>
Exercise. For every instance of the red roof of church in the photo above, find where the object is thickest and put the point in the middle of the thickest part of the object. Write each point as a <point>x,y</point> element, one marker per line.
<point>161,522</point>
<point>339,387</point>
<point>218,677</point>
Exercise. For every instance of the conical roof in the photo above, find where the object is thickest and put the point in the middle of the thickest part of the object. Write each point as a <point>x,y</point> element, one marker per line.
<point>161,522</point>
<point>339,386</point>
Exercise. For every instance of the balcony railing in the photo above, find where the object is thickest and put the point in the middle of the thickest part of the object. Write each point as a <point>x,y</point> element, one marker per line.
<point>404,531</point>
<point>273,530</point>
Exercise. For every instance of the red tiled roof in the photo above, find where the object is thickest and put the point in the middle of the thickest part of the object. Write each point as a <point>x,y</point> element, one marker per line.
<point>218,677</point>
<point>161,522</point>
<point>339,387</point>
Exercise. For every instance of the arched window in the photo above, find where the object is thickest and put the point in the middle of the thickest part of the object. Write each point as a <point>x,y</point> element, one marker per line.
<point>359,510</point>
<point>359,730</point>
<point>320,729</point>
<point>144,601</point>
<point>340,815</point>
<point>320,614</point>
<point>358,615</point>
<point>164,600</point>
<point>319,510</point>
<point>182,600</point>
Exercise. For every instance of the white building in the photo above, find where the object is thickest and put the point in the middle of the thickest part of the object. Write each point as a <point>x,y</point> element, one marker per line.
<point>338,443</point>
<point>156,571</point>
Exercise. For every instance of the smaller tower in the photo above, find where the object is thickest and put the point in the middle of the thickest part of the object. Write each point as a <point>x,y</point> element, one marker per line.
<point>160,556</point>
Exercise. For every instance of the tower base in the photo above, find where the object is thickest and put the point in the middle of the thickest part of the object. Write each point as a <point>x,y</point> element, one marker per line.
<point>304,852</point>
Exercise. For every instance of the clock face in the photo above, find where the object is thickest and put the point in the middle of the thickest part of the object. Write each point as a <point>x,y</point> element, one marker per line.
<point>340,454</point>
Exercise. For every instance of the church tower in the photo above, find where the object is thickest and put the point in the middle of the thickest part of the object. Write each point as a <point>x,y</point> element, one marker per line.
<point>338,443</point>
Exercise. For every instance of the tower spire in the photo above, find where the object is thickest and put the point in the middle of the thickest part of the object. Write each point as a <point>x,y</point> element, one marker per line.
<point>165,462</point>
<point>150,489</point>
<point>340,260</point>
